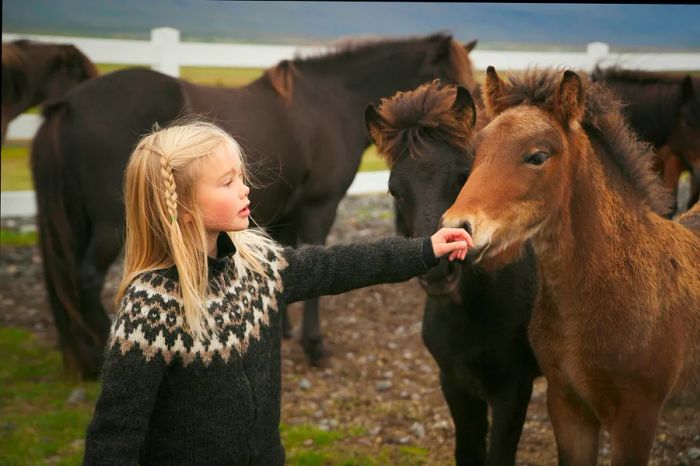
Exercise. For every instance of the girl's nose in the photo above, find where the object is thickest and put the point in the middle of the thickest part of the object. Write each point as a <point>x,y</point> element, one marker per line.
<point>246,190</point>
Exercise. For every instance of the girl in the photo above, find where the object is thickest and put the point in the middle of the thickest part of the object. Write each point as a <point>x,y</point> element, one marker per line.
<point>192,366</point>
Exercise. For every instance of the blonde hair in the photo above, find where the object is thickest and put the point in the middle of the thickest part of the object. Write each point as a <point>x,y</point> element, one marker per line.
<point>159,190</point>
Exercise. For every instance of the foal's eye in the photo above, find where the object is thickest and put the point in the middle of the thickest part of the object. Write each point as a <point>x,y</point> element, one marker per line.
<point>538,158</point>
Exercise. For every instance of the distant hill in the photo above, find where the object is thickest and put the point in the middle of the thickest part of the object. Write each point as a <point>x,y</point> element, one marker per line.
<point>534,26</point>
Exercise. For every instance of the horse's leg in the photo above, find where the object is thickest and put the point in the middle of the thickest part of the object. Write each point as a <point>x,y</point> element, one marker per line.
<point>509,409</point>
<point>632,431</point>
<point>103,248</point>
<point>576,428</point>
<point>315,221</point>
<point>470,417</point>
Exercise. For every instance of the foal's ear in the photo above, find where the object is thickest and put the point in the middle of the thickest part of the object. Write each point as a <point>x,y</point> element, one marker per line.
<point>687,91</point>
<point>374,123</point>
<point>464,105</point>
<point>492,92</point>
<point>569,104</point>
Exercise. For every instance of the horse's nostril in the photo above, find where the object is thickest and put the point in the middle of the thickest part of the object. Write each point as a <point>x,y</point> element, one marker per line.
<point>468,226</point>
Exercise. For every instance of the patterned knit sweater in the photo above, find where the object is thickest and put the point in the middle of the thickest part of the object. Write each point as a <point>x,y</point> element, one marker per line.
<point>168,399</point>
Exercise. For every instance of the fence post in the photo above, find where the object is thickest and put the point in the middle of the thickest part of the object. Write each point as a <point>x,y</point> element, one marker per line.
<point>597,52</point>
<point>166,44</point>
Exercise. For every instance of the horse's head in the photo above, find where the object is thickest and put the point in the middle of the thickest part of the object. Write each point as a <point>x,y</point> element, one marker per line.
<point>684,139</point>
<point>521,163</point>
<point>34,72</point>
<point>46,71</point>
<point>425,134</point>
<point>447,60</point>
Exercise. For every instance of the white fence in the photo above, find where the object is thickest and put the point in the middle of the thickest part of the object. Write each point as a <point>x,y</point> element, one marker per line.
<point>166,53</point>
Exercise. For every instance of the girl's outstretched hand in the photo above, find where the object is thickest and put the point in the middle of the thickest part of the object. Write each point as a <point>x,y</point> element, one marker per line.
<point>455,241</point>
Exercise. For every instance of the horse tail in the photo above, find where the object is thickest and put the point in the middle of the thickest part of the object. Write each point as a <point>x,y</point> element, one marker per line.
<point>691,219</point>
<point>61,227</point>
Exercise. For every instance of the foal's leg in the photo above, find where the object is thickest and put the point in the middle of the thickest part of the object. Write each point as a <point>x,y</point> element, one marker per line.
<point>314,223</point>
<point>632,431</point>
<point>576,428</point>
<point>470,416</point>
<point>507,418</point>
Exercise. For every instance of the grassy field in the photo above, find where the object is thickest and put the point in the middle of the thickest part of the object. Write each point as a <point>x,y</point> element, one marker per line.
<point>40,427</point>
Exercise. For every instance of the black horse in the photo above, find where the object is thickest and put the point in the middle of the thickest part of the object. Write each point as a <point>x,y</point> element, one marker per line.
<point>35,72</point>
<point>300,125</point>
<point>475,320</point>
<point>664,110</point>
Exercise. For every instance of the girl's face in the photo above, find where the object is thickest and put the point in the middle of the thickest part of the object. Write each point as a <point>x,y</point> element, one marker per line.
<point>222,195</point>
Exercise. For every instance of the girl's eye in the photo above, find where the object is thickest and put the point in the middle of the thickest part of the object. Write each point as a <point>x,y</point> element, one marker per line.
<point>538,158</point>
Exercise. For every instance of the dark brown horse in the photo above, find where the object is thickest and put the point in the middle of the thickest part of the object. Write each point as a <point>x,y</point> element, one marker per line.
<point>35,72</point>
<point>616,323</point>
<point>475,319</point>
<point>663,110</point>
<point>300,126</point>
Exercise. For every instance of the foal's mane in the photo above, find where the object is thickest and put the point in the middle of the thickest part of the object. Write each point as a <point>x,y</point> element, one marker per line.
<point>412,118</point>
<point>603,119</point>
<point>282,75</point>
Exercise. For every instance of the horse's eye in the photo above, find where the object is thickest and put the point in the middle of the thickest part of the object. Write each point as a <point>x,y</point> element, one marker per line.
<point>538,158</point>
<point>463,177</point>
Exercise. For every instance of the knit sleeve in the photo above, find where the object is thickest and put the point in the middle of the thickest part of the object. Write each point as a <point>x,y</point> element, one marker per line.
<point>131,375</point>
<point>314,271</point>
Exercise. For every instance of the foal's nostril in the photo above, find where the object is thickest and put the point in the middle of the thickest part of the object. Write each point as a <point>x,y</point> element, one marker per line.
<point>468,226</point>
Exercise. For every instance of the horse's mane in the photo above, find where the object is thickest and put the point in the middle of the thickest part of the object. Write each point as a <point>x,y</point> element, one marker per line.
<point>14,75</point>
<point>603,119</point>
<point>282,75</point>
<point>411,118</point>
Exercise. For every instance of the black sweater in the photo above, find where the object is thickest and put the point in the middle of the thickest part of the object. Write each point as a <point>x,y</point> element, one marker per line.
<point>170,400</point>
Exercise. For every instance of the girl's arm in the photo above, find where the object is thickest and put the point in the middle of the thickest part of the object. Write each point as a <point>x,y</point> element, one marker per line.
<point>317,270</point>
<point>130,382</point>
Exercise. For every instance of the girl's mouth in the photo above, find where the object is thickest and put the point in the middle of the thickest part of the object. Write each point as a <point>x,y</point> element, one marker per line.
<point>244,212</point>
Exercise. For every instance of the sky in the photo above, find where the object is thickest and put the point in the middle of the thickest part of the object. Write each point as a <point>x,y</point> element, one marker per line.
<point>650,26</point>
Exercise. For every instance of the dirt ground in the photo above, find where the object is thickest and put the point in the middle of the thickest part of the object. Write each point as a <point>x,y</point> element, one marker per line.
<point>380,376</point>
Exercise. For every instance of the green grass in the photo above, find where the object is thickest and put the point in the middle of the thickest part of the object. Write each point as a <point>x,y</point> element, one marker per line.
<point>38,427</point>
<point>12,238</point>
<point>14,166</point>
